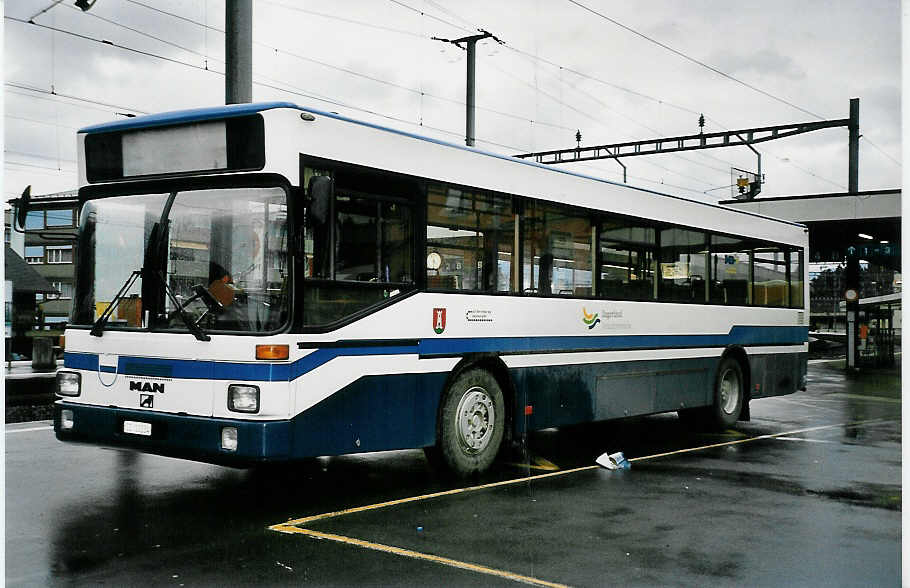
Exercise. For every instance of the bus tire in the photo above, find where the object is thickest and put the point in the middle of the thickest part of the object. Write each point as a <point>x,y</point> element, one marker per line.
<point>471,423</point>
<point>729,393</point>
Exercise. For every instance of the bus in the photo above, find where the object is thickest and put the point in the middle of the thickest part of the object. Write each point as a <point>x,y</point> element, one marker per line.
<point>264,282</point>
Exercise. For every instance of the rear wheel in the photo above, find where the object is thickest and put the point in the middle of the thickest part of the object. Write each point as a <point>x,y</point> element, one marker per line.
<point>728,394</point>
<point>471,423</point>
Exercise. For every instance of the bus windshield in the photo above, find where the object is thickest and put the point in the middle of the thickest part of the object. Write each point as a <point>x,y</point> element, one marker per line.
<point>222,253</point>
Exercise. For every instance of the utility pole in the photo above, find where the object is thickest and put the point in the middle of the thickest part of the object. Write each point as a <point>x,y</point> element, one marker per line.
<point>853,126</point>
<point>238,51</point>
<point>470,46</point>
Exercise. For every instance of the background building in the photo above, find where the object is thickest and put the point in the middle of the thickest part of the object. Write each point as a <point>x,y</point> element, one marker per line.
<point>48,248</point>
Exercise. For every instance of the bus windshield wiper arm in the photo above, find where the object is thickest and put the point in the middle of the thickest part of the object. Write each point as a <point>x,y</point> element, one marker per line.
<point>193,327</point>
<point>98,327</point>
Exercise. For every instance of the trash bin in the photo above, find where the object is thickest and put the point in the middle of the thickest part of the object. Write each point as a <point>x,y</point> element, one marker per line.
<point>43,353</point>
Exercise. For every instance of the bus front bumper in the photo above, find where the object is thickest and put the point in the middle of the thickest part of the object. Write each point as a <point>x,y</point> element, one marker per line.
<point>188,437</point>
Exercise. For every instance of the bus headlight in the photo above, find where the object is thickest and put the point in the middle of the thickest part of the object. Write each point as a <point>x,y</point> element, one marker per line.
<point>69,383</point>
<point>243,398</point>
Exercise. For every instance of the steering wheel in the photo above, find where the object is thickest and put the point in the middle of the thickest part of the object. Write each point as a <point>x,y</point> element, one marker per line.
<point>202,293</point>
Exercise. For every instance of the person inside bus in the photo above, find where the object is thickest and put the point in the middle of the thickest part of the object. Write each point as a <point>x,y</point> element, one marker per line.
<point>545,266</point>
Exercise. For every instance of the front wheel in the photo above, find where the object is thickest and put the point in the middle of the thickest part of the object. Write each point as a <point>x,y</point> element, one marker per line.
<point>471,423</point>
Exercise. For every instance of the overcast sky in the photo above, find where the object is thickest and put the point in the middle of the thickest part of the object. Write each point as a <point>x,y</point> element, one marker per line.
<point>562,68</point>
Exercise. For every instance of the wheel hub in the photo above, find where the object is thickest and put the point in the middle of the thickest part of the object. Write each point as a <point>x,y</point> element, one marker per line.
<point>474,420</point>
<point>729,391</point>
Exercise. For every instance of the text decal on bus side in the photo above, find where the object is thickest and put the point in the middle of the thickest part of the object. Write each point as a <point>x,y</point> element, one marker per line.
<point>439,320</point>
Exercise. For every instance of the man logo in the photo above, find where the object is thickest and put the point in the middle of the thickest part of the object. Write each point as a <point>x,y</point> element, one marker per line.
<point>146,401</point>
<point>146,387</point>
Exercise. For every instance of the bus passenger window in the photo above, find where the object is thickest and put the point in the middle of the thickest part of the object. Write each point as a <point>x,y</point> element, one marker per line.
<point>557,251</point>
<point>471,236</point>
<point>682,265</point>
<point>770,286</point>
<point>626,260</point>
<point>730,265</point>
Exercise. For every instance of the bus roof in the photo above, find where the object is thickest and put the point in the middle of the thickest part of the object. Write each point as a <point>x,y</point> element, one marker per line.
<point>233,110</point>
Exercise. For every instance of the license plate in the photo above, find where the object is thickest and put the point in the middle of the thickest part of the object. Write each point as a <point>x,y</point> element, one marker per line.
<point>137,428</point>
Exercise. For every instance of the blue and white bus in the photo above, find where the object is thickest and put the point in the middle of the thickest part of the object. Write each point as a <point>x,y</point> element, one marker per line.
<point>264,282</point>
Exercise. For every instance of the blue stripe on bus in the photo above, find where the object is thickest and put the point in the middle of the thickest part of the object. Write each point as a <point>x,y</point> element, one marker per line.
<point>269,372</point>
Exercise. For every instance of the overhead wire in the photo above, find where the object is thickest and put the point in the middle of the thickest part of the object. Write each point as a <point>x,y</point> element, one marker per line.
<point>401,31</point>
<point>359,74</point>
<point>694,60</point>
<point>39,121</point>
<point>639,94</point>
<point>355,73</point>
<point>342,19</point>
<point>61,95</point>
<point>37,155</point>
<point>279,88</point>
<point>537,58</point>
<point>559,100</point>
<point>880,150</point>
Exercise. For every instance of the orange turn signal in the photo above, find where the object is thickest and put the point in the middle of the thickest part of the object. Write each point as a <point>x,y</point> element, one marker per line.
<point>272,352</point>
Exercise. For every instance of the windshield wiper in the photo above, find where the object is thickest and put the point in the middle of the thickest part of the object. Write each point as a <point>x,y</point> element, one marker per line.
<point>98,327</point>
<point>194,328</point>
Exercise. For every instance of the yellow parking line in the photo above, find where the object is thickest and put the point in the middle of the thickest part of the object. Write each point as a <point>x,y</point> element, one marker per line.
<point>294,526</point>
<point>417,555</point>
<point>357,509</point>
<point>759,437</point>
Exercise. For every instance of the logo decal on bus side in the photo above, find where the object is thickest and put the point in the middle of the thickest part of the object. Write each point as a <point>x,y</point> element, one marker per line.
<point>589,319</point>
<point>439,320</point>
<point>107,369</point>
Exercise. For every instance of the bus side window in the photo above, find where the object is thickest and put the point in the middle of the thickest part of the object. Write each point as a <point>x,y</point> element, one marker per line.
<point>683,255</point>
<point>557,250</point>
<point>626,260</point>
<point>730,269</point>
<point>470,237</point>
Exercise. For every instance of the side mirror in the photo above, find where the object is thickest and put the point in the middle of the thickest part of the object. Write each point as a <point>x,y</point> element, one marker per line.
<point>22,205</point>
<point>320,190</point>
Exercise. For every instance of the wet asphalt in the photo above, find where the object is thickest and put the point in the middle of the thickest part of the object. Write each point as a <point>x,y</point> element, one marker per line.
<point>817,507</point>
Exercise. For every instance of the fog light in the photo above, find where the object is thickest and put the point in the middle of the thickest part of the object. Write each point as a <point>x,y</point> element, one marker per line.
<point>69,383</point>
<point>229,438</point>
<point>243,398</point>
<point>66,419</point>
